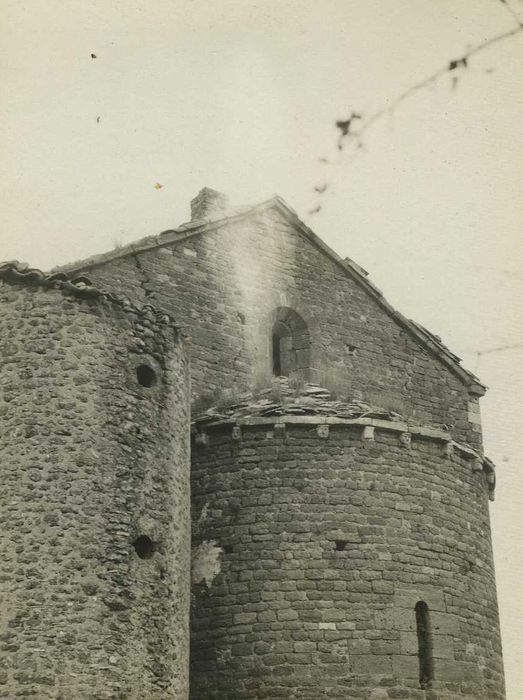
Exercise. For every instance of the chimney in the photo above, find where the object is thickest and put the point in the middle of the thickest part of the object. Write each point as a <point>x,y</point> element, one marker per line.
<point>209,204</point>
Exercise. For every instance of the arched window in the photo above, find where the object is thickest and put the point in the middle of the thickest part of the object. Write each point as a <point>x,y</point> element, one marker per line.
<point>290,343</point>
<point>426,666</point>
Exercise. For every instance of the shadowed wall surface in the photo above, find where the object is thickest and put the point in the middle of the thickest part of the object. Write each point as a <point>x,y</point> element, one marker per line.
<point>94,505</point>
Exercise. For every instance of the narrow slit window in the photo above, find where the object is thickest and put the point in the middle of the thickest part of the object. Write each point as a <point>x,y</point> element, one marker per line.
<point>426,666</point>
<point>276,357</point>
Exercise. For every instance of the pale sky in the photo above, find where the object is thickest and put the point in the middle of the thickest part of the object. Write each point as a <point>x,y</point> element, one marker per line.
<point>242,96</point>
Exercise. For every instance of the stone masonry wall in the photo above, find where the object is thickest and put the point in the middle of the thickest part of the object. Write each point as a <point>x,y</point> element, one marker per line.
<point>90,461</point>
<point>224,286</point>
<point>311,548</point>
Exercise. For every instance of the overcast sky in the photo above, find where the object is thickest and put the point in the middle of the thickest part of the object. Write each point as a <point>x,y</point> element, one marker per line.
<point>242,96</point>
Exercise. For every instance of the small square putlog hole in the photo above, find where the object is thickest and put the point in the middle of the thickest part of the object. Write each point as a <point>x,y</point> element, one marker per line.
<point>340,545</point>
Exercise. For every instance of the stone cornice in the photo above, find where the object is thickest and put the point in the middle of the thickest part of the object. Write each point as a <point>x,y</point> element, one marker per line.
<point>404,430</point>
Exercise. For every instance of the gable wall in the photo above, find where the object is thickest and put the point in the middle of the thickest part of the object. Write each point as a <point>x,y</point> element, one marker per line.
<point>223,287</point>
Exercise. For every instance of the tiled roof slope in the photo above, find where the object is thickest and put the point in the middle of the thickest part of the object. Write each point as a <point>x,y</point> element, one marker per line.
<point>351,269</point>
<point>15,272</point>
<point>282,400</point>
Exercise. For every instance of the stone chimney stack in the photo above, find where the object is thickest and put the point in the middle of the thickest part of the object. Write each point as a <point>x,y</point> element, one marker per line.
<point>209,204</point>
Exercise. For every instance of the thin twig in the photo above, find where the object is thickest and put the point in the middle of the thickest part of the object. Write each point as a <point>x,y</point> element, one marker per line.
<point>345,125</point>
<point>480,353</point>
<point>512,12</point>
<point>452,65</point>
<point>502,347</point>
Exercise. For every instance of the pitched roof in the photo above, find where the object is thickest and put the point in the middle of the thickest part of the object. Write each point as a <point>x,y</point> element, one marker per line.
<point>194,228</point>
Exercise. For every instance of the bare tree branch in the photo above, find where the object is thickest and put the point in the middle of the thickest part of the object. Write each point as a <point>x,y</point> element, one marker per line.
<point>480,353</point>
<point>345,126</point>
<point>499,349</point>
<point>452,65</point>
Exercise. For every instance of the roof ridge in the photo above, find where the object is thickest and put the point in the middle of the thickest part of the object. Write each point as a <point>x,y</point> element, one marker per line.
<point>165,238</point>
